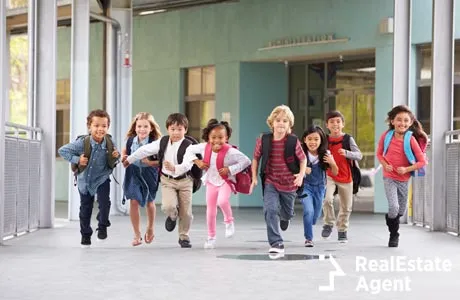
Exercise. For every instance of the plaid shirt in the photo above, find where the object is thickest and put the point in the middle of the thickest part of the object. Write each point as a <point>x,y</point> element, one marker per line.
<point>96,172</point>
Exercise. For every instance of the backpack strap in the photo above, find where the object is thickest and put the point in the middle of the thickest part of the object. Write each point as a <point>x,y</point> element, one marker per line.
<point>221,156</point>
<point>346,142</point>
<point>387,141</point>
<point>290,157</point>
<point>182,148</point>
<point>111,161</point>
<point>207,153</point>
<point>161,152</point>
<point>129,143</point>
<point>266,143</point>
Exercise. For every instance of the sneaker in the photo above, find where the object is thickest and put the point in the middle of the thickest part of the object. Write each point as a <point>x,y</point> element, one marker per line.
<point>277,248</point>
<point>101,234</point>
<point>229,230</point>
<point>327,230</point>
<point>210,243</point>
<point>85,241</point>
<point>343,237</point>
<point>275,256</point>
<point>284,225</point>
<point>185,243</point>
<point>309,243</point>
<point>170,224</point>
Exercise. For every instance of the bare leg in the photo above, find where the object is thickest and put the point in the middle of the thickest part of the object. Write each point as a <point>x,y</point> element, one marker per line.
<point>135,221</point>
<point>151,212</point>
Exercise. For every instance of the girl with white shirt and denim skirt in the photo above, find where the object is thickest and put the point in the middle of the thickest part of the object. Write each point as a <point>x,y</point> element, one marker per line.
<point>218,182</point>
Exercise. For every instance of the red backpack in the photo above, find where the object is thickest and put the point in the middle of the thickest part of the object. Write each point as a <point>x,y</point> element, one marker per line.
<point>243,178</point>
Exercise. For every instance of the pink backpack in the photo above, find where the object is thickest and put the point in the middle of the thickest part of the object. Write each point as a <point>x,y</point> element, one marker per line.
<point>243,179</point>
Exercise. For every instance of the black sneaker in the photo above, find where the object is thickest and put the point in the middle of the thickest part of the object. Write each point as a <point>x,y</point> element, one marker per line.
<point>184,243</point>
<point>170,224</point>
<point>101,234</point>
<point>343,237</point>
<point>85,241</point>
<point>284,225</point>
<point>277,248</point>
<point>327,230</point>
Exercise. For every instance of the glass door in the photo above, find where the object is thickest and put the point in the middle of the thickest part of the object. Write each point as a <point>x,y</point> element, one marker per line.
<point>357,107</point>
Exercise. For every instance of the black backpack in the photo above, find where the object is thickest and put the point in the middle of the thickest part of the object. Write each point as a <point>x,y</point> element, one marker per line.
<point>196,173</point>
<point>290,158</point>
<point>354,167</point>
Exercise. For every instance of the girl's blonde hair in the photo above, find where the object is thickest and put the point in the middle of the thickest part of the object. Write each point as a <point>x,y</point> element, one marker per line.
<point>281,109</point>
<point>154,134</point>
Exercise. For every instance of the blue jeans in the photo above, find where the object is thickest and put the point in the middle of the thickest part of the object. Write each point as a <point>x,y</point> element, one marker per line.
<point>312,205</point>
<point>86,209</point>
<point>277,205</point>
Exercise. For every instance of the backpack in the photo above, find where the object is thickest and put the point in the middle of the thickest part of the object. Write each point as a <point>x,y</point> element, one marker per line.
<point>243,178</point>
<point>290,158</point>
<point>354,166</point>
<point>129,143</point>
<point>407,150</point>
<point>196,173</point>
<point>111,161</point>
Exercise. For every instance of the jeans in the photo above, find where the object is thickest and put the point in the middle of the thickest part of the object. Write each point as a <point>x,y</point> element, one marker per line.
<point>86,209</point>
<point>277,205</point>
<point>312,205</point>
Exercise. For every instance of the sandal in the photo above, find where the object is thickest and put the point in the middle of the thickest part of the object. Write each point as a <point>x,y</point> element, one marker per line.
<point>137,241</point>
<point>149,237</point>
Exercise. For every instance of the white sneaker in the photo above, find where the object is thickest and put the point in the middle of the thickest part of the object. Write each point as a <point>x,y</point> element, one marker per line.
<point>210,243</point>
<point>229,230</point>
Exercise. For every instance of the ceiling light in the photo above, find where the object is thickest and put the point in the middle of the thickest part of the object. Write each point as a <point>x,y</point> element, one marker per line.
<point>149,12</point>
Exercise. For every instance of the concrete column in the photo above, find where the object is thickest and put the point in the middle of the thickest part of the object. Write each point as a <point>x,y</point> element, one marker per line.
<point>31,36</point>
<point>441,104</point>
<point>79,82</point>
<point>401,51</point>
<point>3,100</point>
<point>45,86</point>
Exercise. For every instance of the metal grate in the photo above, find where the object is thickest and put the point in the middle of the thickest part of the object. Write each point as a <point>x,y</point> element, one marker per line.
<point>11,180</point>
<point>452,186</point>
<point>22,187</point>
<point>34,183</point>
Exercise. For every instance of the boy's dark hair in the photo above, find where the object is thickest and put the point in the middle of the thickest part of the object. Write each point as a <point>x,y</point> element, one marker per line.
<point>323,146</point>
<point>178,119</point>
<point>214,123</point>
<point>97,113</point>
<point>334,114</point>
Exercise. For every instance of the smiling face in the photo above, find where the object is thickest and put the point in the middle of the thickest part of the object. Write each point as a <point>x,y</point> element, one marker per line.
<point>313,141</point>
<point>176,132</point>
<point>143,129</point>
<point>335,126</point>
<point>402,122</point>
<point>98,128</point>
<point>217,138</point>
<point>281,124</point>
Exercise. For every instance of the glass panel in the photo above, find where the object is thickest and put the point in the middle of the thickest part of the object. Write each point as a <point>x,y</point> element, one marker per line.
<point>316,94</point>
<point>19,75</point>
<point>198,114</point>
<point>423,107</point>
<point>209,80</point>
<point>62,128</point>
<point>194,81</point>
<point>344,104</point>
<point>365,126</point>
<point>11,4</point>
<point>297,100</point>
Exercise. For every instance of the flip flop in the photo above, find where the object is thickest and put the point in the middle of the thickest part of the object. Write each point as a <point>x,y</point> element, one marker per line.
<point>137,241</point>
<point>149,238</point>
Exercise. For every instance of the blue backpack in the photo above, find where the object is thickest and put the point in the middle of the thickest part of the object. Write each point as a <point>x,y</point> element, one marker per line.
<point>407,150</point>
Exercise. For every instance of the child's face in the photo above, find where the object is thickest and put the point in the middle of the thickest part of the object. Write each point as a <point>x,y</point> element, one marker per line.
<point>98,128</point>
<point>143,129</point>
<point>335,126</point>
<point>176,132</point>
<point>313,141</point>
<point>402,122</point>
<point>217,138</point>
<point>281,124</point>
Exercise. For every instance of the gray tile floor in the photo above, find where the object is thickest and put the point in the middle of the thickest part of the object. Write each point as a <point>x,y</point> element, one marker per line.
<point>49,263</point>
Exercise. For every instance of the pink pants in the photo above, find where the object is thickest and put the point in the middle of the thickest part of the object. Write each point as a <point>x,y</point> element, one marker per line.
<point>217,195</point>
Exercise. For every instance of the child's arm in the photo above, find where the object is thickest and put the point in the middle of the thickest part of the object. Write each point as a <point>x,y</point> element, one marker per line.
<point>354,153</point>
<point>72,151</point>
<point>189,158</point>
<point>302,163</point>
<point>329,159</point>
<point>380,157</point>
<point>255,163</point>
<point>144,151</point>
<point>238,160</point>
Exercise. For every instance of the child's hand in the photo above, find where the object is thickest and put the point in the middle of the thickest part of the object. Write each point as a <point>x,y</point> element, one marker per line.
<point>83,160</point>
<point>253,184</point>
<point>308,170</point>
<point>224,171</point>
<point>329,159</point>
<point>201,164</point>
<point>401,170</point>
<point>342,152</point>
<point>115,153</point>
<point>389,168</point>
<point>298,179</point>
<point>169,166</point>
<point>123,158</point>
<point>126,163</point>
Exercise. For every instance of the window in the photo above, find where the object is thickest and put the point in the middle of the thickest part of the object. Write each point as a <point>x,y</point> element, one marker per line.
<point>424,87</point>
<point>62,113</point>
<point>200,98</point>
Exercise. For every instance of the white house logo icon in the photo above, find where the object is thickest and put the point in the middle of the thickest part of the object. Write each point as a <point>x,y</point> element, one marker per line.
<point>332,274</point>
